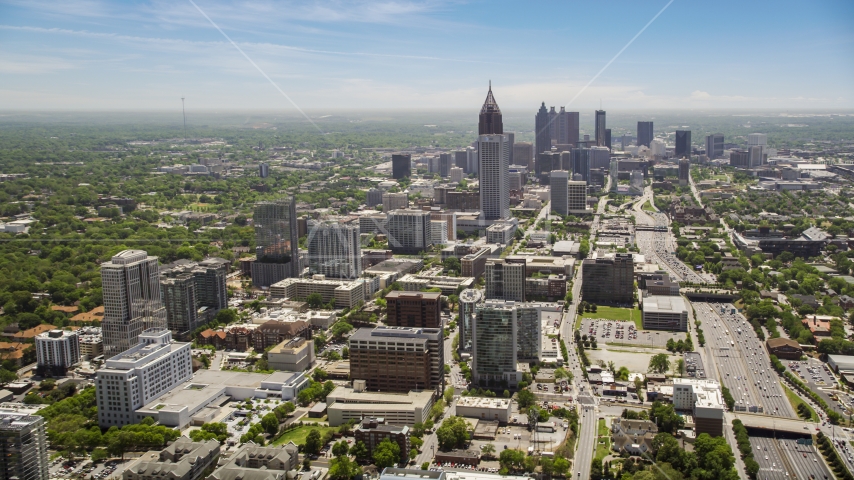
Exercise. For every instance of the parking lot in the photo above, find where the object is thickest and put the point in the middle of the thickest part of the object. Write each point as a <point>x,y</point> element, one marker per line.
<point>624,332</point>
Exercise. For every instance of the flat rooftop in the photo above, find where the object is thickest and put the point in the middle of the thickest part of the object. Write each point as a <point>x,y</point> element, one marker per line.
<point>663,304</point>
<point>483,402</point>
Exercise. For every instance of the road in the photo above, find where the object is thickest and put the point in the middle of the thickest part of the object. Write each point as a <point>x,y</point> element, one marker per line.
<point>785,459</point>
<point>586,446</point>
<point>431,443</point>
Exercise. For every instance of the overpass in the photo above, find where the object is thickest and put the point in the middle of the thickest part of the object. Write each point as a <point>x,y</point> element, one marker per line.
<point>768,423</point>
<point>702,296</point>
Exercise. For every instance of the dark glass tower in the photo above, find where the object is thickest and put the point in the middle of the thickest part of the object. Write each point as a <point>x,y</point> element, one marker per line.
<point>683,144</point>
<point>600,128</point>
<point>543,134</point>
<point>401,165</point>
<point>490,116</point>
<point>644,133</point>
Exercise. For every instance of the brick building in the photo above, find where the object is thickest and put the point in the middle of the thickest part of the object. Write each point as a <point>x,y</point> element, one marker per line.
<point>414,309</point>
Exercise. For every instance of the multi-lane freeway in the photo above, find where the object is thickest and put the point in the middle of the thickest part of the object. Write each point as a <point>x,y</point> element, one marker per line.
<point>786,459</point>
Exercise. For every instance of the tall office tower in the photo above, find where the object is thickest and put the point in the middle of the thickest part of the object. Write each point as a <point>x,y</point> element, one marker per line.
<point>263,170</point>
<point>457,175</point>
<point>566,160</point>
<point>760,139</point>
<point>608,138</point>
<point>472,159</point>
<point>511,143</point>
<point>334,249</point>
<point>505,280</point>
<point>558,183</point>
<point>409,231</point>
<point>683,144</point>
<point>715,146</point>
<point>211,290</point>
<point>625,141</point>
<point>739,158</point>
<point>374,197</point>
<point>600,157</point>
<point>469,299</point>
<point>658,148</point>
<point>395,201</point>
<point>131,288</point>
<point>132,379</point>
<point>444,164</point>
<point>684,172</point>
<point>542,133</point>
<point>546,162</point>
<point>23,445</point>
<point>644,133</point>
<point>523,153</point>
<point>179,298</point>
<point>276,242</point>
<point>494,349</point>
<point>757,145</point>
<point>608,280</point>
<point>600,128</point>
<point>461,159</point>
<point>493,151</point>
<point>755,154</point>
<point>56,352</point>
<point>570,119</point>
<point>398,359</point>
<point>414,309</point>
<point>581,162</point>
<point>401,165</point>
<point>553,125</point>
<point>576,196</point>
<point>613,174</point>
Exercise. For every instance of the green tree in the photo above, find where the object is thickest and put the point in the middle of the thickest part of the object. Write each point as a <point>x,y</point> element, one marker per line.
<point>453,433</point>
<point>488,451</point>
<point>312,442</point>
<point>511,459</point>
<point>342,468</point>
<point>659,363</point>
<point>340,449</point>
<point>314,300</point>
<point>386,454</point>
<point>525,398</point>
<point>270,422</point>
<point>360,451</point>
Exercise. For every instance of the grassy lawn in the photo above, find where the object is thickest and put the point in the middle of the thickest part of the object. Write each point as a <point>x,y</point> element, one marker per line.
<point>795,400</point>
<point>299,434</point>
<point>615,313</point>
<point>603,429</point>
<point>603,441</point>
<point>647,207</point>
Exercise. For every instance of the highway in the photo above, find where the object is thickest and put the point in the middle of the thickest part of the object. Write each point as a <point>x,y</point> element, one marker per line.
<point>740,361</point>
<point>785,459</point>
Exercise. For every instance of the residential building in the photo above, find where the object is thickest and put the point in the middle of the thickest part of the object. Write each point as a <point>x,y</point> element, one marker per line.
<point>23,444</point>
<point>334,249</point>
<point>494,161</point>
<point>684,172</point>
<point>343,293</point>
<point>644,133</point>
<point>457,174</point>
<point>409,231</point>
<point>703,398</point>
<point>444,165</point>
<point>600,128</point>
<point>715,146</point>
<point>576,196</point>
<point>184,459</point>
<point>132,303</point>
<point>683,144</point>
<point>784,348</point>
<point>633,436</point>
<point>469,299</point>
<point>276,240</point>
<point>401,165</point>
<point>505,280</point>
<point>292,355</point>
<point>263,170</point>
<point>139,375</point>
<point>372,431</point>
<point>474,264</point>
<point>56,352</point>
<point>374,198</point>
<point>662,312</point>
<point>254,462</point>
<point>608,279</point>
<point>91,342</point>
<point>494,348</point>
<point>179,298</point>
<point>346,404</point>
<point>414,309</point>
<point>398,359</point>
<point>395,201</point>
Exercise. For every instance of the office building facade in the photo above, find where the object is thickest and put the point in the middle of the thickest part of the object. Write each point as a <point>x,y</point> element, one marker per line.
<point>409,231</point>
<point>684,172</point>
<point>523,154</point>
<point>132,303</point>
<point>683,144</point>
<point>334,249</point>
<point>374,197</point>
<point>608,280</point>
<point>276,240</point>
<point>576,196</point>
<point>398,359</point>
<point>401,165</point>
<point>494,161</point>
<point>263,170</point>
<point>581,162</point>
<point>644,133</point>
<point>414,309</point>
<point>558,194</point>
<point>505,279</point>
<point>395,201</point>
<point>542,134</point>
<point>23,446</point>
<point>714,146</point>
<point>600,128</point>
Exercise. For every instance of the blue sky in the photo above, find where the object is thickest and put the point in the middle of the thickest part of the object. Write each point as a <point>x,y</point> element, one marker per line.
<point>144,55</point>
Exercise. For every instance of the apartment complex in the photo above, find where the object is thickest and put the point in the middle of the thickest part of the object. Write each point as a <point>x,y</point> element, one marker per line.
<point>505,279</point>
<point>193,292</point>
<point>414,309</point>
<point>344,293</point>
<point>132,303</point>
<point>409,231</point>
<point>254,462</point>
<point>56,352</point>
<point>373,431</point>
<point>398,359</point>
<point>184,459</point>
<point>334,249</point>
<point>139,375</point>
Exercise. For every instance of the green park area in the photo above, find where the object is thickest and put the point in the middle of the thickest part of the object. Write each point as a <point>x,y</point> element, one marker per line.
<point>299,434</point>
<point>647,207</point>
<point>614,313</point>
<point>603,441</point>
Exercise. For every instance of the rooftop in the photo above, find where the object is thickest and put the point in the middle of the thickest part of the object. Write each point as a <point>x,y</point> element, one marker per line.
<point>663,304</point>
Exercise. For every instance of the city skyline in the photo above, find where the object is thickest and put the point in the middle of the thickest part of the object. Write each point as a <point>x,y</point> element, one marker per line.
<point>101,55</point>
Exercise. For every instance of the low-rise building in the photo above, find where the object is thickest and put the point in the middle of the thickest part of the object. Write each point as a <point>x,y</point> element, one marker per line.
<point>484,408</point>
<point>705,400</point>
<point>184,459</point>
<point>293,355</point>
<point>254,462</point>
<point>372,431</point>
<point>784,348</point>
<point>345,404</point>
<point>665,313</point>
<point>633,436</point>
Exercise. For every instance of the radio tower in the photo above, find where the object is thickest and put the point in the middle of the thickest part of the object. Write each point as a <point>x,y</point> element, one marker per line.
<point>184,114</point>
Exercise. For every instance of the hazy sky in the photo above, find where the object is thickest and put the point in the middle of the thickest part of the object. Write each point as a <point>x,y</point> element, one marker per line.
<point>698,54</point>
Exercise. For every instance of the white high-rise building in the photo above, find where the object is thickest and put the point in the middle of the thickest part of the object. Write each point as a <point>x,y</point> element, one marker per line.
<point>439,232</point>
<point>576,196</point>
<point>558,191</point>
<point>494,160</point>
<point>505,280</point>
<point>409,231</point>
<point>56,352</point>
<point>658,148</point>
<point>334,249</point>
<point>456,174</point>
<point>757,144</point>
<point>132,379</point>
<point>131,288</point>
<point>614,174</point>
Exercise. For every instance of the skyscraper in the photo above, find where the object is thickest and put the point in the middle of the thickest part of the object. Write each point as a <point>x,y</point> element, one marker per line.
<point>608,280</point>
<point>553,125</point>
<point>334,249</point>
<point>511,142</point>
<point>569,125</point>
<point>494,155</point>
<point>401,165</point>
<point>581,162</point>
<point>757,144</point>
<point>398,359</point>
<point>684,172</point>
<point>187,287</point>
<point>409,231</point>
<point>179,298</point>
<point>263,170</point>
<point>444,164</point>
<point>576,196</point>
<point>461,159</point>
<point>608,138</point>
<point>505,280</point>
<point>714,146</point>
<point>276,242</point>
<point>683,144</point>
<point>523,153</point>
<point>24,446</point>
<point>493,335</point>
<point>600,128</point>
<point>542,134</point>
<point>131,287</point>
<point>644,133</point>
<point>558,183</point>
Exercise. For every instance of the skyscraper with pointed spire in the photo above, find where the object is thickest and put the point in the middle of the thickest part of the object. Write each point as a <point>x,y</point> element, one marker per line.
<point>543,134</point>
<point>494,161</point>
